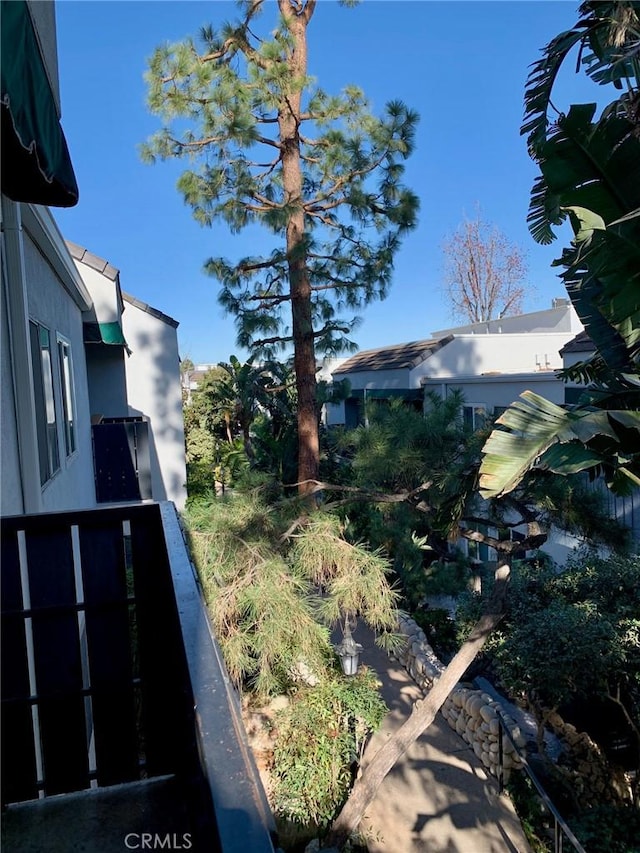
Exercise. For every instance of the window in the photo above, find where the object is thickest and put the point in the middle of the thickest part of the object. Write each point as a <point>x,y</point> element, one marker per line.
<point>46,426</point>
<point>68,395</point>
<point>475,416</point>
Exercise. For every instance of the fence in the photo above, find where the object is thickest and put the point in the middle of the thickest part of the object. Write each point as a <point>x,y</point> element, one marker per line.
<point>106,655</point>
<point>560,828</point>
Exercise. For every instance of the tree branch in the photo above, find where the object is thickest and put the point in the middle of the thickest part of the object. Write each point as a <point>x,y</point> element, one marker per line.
<point>361,494</point>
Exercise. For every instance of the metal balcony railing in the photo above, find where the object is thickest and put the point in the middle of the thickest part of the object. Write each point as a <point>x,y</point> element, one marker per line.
<point>561,830</point>
<point>114,692</point>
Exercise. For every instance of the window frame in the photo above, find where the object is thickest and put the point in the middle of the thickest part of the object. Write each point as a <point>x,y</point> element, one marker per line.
<point>45,401</point>
<point>475,415</point>
<point>68,395</point>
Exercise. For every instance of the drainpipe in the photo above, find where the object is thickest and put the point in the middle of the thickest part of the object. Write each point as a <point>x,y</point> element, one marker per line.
<point>15,283</point>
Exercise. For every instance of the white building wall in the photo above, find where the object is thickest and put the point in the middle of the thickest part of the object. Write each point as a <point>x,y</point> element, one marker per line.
<point>333,414</point>
<point>501,391</point>
<point>560,319</point>
<point>104,293</point>
<point>72,486</point>
<point>154,390</point>
<point>379,379</point>
<point>11,494</point>
<point>474,355</point>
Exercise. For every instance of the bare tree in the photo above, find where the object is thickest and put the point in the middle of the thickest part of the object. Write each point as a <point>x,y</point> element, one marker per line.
<point>483,272</point>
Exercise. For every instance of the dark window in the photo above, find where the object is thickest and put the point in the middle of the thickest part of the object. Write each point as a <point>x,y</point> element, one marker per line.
<point>474,416</point>
<point>68,395</point>
<point>47,429</point>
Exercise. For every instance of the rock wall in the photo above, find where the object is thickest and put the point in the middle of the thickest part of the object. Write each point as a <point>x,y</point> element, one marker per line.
<point>473,714</point>
<point>586,769</point>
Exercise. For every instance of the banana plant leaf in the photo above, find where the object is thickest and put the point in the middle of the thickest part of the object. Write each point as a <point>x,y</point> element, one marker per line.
<point>532,425</point>
<point>595,166</point>
<point>603,61</point>
<point>602,278</point>
<point>591,174</point>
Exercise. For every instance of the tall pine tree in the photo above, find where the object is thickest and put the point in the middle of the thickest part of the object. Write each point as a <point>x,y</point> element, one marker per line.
<point>321,173</point>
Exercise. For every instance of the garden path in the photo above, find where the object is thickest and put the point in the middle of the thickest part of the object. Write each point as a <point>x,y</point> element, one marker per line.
<point>438,798</point>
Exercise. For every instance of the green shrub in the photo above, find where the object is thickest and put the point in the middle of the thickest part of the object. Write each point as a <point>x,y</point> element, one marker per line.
<point>533,816</point>
<point>610,828</point>
<point>439,627</point>
<point>319,742</point>
<point>200,480</point>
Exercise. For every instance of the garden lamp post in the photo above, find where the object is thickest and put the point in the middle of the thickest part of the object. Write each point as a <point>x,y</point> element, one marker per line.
<point>349,651</point>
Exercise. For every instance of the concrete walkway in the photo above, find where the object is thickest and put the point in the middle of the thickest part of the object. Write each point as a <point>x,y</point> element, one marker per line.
<point>438,798</point>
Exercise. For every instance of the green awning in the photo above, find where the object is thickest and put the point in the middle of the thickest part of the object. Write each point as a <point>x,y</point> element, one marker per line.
<point>104,333</point>
<point>36,166</point>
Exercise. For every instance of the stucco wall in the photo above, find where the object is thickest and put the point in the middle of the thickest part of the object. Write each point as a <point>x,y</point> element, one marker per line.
<point>382,379</point>
<point>11,493</point>
<point>473,355</point>
<point>502,391</point>
<point>72,487</point>
<point>154,390</point>
<point>560,319</point>
<point>104,293</point>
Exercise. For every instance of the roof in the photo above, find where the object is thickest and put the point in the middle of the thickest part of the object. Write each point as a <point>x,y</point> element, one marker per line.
<point>149,310</point>
<point>105,268</point>
<point>394,357</point>
<point>581,343</point>
<point>93,261</point>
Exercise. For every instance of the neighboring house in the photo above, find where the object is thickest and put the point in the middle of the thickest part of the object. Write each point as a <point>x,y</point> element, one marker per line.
<point>135,389</point>
<point>45,426</point>
<point>491,363</point>
<point>62,342</point>
<point>192,378</point>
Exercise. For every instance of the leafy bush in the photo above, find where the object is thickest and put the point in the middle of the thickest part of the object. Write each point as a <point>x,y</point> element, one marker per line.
<point>616,830</point>
<point>320,739</point>
<point>533,817</point>
<point>200,480</point>
<point>439,628</point>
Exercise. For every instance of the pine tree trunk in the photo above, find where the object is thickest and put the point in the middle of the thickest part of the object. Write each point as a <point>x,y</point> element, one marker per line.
<point>422,715</point>
<point>299,284</point>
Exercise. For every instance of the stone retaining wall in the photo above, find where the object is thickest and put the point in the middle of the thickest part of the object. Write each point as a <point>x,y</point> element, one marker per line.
<point>473,714</point>
<point>586,769</point>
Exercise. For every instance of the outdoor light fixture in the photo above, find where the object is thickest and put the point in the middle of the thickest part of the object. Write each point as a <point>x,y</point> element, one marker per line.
<point>349,651</point>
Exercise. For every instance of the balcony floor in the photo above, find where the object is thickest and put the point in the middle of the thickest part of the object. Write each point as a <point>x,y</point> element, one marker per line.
<point>99,820</point>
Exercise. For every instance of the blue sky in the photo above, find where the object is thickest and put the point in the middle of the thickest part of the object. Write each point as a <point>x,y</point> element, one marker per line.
<point>461,65</point>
